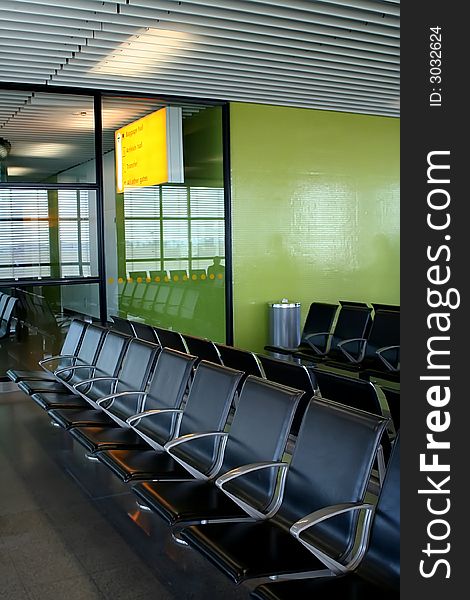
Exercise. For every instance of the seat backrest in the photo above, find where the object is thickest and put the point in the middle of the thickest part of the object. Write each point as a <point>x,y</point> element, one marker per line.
<point>178,275</point>
<point>73,338</point>
<point>331,464</point>
<point>259,432</point>
<point>381,563</point>
<point>170,339</point>
<point>207,408</point>
<point>202,348</point>
<point>139,293</point>
<point>122,325</point>
<point>145,332</point>
<point>242,360</point>
<point>293,375</point>
<point>128,291</point>
<point>157,276</point>
<point>189,303</point>
<point>3,303</point>
<point>138,275</point>
<point>136,367</point>
<point>167,387</point>
<point>350,391</point>
<point>385,331</point>
<point>93,337</point>
<point>108,362</point>
<point>353,322</point>
<point>175,299</point>
<point>7,316</point>
<point>319,319</point>
<point>159,305</point>
<point>150,295</point>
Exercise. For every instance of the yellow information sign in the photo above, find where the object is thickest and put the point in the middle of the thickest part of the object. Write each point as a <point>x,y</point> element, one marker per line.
<point>142,151</point>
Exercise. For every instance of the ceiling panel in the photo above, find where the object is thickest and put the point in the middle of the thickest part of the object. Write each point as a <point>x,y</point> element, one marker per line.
<point>317,54</point>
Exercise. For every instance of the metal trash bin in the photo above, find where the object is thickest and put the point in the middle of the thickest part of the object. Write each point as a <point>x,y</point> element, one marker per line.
<point>284,323</point>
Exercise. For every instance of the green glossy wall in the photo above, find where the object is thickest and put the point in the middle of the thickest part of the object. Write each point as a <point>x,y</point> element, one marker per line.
<point>315,208</point>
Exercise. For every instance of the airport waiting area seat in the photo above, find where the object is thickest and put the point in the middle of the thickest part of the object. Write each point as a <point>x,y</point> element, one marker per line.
<point>157,407</point>
<point>193,501</point>
<point>325,471</point>
<point>354,321</point>
<point>237,358</point>
<point>378,354</point>
<point>206,409</point>
<point>377,574</point>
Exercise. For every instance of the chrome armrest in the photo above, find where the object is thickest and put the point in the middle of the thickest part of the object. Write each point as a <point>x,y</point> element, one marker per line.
<point>56,357</point>
<point>93,379</point>
<point>388,364</point>
<point>348,355</point>
<point>275,503</point>
<point>326,513</point>
<point>73,368</point>
<point>309,337</point>
<point>150,413</point>
<point>117,395</point>
<point>223,438</point>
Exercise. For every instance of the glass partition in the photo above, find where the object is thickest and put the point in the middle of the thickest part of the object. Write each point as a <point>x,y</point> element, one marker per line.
<point>47,233</point>
<point>39,320</point>
<point>165,255</point>
<point>44,135</point>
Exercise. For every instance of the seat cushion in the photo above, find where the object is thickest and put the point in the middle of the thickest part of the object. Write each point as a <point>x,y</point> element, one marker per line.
<point>17,376</point>
<point>349,587</point>
<point>135,465</point>
<point>246,550</point>
<point>77,417</point>
<point>50,400</point>
<point>187,501</point>
<point>96,438</point>
<point>31,387</point>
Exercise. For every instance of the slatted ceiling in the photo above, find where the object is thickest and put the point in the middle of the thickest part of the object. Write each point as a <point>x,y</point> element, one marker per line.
<point>339,55</point>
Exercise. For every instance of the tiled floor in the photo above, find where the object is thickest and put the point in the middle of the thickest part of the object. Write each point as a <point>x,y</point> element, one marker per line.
<point>66,534</point>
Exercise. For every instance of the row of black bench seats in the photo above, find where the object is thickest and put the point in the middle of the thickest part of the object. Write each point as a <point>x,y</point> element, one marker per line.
<point>356,337</point>
<point>254,515</point>
<point>359,393</point>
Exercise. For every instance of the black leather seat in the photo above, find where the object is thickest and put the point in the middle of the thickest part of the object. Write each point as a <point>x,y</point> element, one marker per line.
<point>145,332</point>
<point>354,321</point>
<point>68,355</point>
<point>378,574</point>
<point>87,354</point>
<point>97,381</point>
<point>202,348</point>
<point>122,325</point>
<point>379,352</point>
<point>165,393</point>
<point>206,409</point>
<point>170,339</point>
<point>293,375</point>
<point>356,393</point>
<point>263,447</point>
<point>347,390</point>
<point>331,465</point>
<point>242,360</point>
<point>318,323</point>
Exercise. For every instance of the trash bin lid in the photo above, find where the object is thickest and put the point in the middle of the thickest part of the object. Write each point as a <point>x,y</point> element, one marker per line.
<point>284,303</point>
